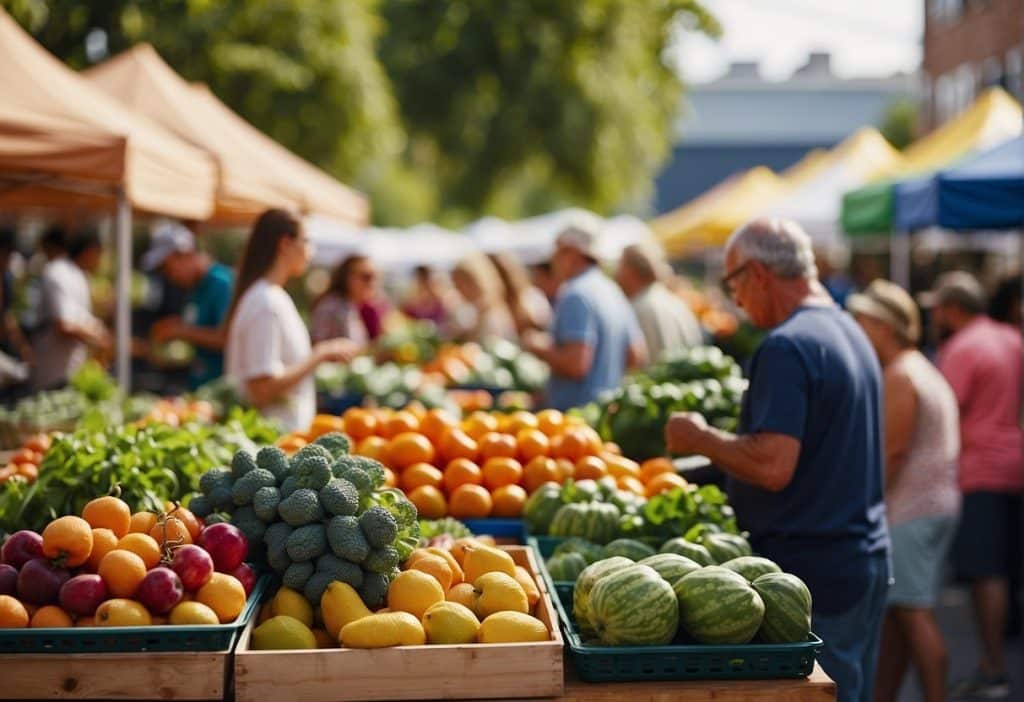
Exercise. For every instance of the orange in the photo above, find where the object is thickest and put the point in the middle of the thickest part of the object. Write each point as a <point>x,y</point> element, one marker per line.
<point>590,467</point>
<point>428,501</point>
<point>458,549</point>
<point>400,423</point>
<point>550,421</point>
<point>186,517</point>
<point>290,444</point>
<point>502,471</point>
<point>628,482</point>
<point>457,575</point>
<point>390,479</point>
<point>478,424</point>
<point>436,567</point>
<point>224,595</point>
<point>462,471</point>
<point>13,614</point>
<point>517,421</point>
<point>28,470</point>
<point>103,542</point>
<point>655,466</point>
<point>142,545</point>
<point>375,447</point>
<point>408,448</point>
<point>436,423</point>
<point>612,448</point>
<point>40,443</point>
<point>69,540</point>
<point>508,501</point>
<point>458,444</point>
<point>420,474</point>
<point>664,482</point>
<point>595,446</point>
<point>123,572</point>
<point>417,409</point>
<point>359,423</point>
<point>50,616</point>
<point>619,467</point>
<point>325,424</point>
<point>108,513</point>
<point>470,502</point>
<point>539,471</point>
<point>170,532</point>
<point>142,522</point>
<point>493,445</point>
<point>463,593</point>
<point>572,445</point>
<point>566,469</point>
<point>531,444</point>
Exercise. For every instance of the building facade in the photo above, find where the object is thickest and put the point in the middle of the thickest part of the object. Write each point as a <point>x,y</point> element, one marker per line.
<point>969,45</point>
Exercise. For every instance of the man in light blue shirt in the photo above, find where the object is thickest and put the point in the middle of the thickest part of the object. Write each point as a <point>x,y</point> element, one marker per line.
<point>595,336</point>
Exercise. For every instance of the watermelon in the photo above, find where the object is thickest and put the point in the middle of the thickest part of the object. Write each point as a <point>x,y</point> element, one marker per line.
<point>787,608</point>
<point>581,491</point>
<point>594,521</point>
<point>540,508</point>
<point>682,547</point>
<point>565,567</point>
<point>671,566</point>
<point>628,548</point>
<point>752,567</point>
<point>585,583</point>
<point>718,606</point>
<point>724,547</point>
<point>634,607</point>
<point>590,551</point>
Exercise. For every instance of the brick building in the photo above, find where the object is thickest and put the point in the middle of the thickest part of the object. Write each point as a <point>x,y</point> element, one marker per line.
<point>970,45</point>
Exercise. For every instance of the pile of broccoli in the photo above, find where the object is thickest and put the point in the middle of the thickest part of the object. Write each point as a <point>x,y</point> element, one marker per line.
<point>321,515</point>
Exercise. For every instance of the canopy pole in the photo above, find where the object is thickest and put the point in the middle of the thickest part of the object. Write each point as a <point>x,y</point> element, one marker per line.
<point>123,306</point>
<point>899,259</point>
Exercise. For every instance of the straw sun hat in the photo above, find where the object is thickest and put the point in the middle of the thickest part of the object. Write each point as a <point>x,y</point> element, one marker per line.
<point>890,304</point>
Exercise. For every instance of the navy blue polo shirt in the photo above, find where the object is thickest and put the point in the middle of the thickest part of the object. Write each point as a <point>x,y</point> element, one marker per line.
<point>816,378</point>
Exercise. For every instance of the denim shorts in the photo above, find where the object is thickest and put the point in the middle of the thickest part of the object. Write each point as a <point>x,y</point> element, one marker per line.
<point>919,550</point>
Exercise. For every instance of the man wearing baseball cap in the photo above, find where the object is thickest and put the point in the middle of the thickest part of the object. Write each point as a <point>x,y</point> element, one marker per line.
<point>595,335</point>
<point>982,361</point>
<point>173,253</point>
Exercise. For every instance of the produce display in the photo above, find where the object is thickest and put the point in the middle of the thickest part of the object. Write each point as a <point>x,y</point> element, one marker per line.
<point>701,379</point>
<point>151,463</point>
<point>112,567</point>
<point>24,464</point>
<point>467,593</point>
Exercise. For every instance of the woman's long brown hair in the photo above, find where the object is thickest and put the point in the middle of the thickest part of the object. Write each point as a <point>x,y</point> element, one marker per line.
<point>340,278</point>
<point>261,250</point>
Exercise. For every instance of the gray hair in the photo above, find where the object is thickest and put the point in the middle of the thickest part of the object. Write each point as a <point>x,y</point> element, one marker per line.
<point>780,244</point>
<point>647,259</point>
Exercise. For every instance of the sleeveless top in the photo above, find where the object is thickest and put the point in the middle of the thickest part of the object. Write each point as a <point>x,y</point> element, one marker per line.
<point>927,484</point>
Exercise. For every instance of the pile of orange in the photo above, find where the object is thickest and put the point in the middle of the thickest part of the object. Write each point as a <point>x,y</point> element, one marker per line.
<point>488,463</point>
<point>25,461</point>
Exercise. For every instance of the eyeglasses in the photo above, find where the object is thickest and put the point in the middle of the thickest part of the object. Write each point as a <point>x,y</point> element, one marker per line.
<point>724,283</point>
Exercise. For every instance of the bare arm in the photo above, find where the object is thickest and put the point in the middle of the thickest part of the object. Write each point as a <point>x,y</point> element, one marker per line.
<point>267,389</point>
<point>901,405</point>
<point>572,360</point>
<point>18,340</point>
<point>637,356</point>
<point>212,338</point>
<point>765,459</point>
<point>91,332</point>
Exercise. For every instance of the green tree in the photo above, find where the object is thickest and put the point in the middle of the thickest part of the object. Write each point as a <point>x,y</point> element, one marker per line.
<point>518,107</point>
<point>901,122</point>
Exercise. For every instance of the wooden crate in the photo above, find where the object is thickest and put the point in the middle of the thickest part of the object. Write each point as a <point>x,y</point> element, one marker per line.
<point>490,671</point>
<point>115,676</point>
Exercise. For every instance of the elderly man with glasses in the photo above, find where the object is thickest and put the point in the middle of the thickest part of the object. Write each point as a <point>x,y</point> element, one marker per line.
<point>805,473</point>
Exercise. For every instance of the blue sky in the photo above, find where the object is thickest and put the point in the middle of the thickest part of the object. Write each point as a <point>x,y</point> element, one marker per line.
<point>866,37</point>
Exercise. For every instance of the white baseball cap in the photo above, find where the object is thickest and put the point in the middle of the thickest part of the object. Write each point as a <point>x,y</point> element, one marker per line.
<point>580,237</point>
<point>167,237</point>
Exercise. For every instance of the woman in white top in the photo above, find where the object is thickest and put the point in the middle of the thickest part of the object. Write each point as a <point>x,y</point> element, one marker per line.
<point>268,351</point>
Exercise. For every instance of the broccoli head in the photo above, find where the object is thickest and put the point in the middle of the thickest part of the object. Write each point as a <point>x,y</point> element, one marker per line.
<point>307,543</point>
<point>300,508</point>
<point>309,451</point>
<point>379,527</point>
<point>346,539</point>
<point>275,460</point>
<point>245,487</point>
<point>374,590</point>
<point>339,497</point>
<point>215,478</point>
<point>335,442</point>
<point>200,505</point>
<point>297,574</point>
<point>265,503</point>
<point>340,569</point>
<point>382,560</point>
<point>373,468</point>
<point>312,472</point>
<point>241,463</point>
<point>316,586</point>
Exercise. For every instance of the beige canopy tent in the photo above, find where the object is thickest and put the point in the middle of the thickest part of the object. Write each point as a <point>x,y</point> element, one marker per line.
<point>255,172</point>
<point>64,144</point>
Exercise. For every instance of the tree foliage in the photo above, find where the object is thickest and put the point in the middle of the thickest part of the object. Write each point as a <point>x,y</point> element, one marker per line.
<point>900,122</point>
<point>440,109</point>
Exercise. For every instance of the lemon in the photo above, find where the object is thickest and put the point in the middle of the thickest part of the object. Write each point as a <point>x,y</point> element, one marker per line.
<point>499,592</point>
<point>450,623</point>
<point>341,605</point>
<point>528,584</point>
<point>121,612</point>
<point>414,591</point>
<point>384,630</point>
<point>482,559</point>
<point>512,627</point>
<point>289,603</point>
<point>192,613</point>
<point>282,633</point>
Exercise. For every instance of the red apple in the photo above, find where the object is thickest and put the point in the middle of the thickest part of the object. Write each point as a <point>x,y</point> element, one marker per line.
<point>82,594</point>
<point>245,575</point>
<point>160,590</point>
<point>9,579</point>
<point>39,581</point>
<point>193,565</point>
<point>226,545</point>
<point>21,547</point>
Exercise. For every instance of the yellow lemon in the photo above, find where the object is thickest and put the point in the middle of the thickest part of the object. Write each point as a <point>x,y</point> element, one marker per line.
<point>289,603</point>
<point>450,623</point>
<point>499,592</point>
<point>482,559</point>
<point>282,633</point>
<point>528,584</point>
<point>414,591</point>
<point>384,630</point>
<point>192,613</point>
<point>512,627</point>
<point>341,605</point>
<point>121,612</point>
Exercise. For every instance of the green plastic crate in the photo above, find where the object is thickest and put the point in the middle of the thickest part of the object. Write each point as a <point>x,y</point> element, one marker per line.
<point>683,662</point>
<point>544,546</point>
<point>133,639</point>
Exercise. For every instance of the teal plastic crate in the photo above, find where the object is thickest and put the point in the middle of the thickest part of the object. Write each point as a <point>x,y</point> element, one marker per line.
<point>133,639</point>
<point>544,546</point>
<point>752,661</point>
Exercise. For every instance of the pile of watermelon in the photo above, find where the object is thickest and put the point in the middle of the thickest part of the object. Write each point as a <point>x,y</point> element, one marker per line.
<point>668,597</point>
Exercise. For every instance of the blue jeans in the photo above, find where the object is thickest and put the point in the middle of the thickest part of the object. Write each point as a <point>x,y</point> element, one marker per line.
<point>851,638</point>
